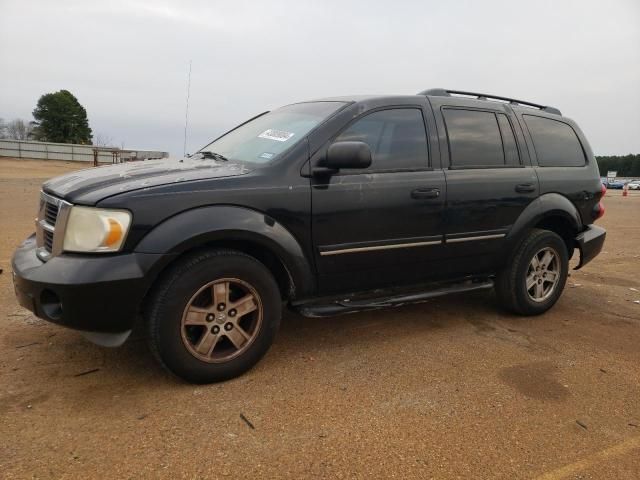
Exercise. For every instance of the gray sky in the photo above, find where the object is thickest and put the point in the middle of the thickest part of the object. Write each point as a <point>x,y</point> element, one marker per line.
<point>127,60</point>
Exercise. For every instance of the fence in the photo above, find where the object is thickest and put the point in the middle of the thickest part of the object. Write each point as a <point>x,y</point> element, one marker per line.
<point>72,152</point>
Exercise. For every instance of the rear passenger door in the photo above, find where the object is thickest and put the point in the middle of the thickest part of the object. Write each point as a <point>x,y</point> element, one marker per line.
<point>488,182</point>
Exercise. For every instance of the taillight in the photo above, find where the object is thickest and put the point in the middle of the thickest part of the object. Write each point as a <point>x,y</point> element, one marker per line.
<point>598,210</point>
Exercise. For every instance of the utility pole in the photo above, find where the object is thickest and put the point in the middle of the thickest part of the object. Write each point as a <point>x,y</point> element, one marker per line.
<point>186,113</point>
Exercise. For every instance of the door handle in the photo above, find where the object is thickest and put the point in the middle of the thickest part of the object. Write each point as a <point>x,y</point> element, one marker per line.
<point>425,193</point>
<point>525,188</point>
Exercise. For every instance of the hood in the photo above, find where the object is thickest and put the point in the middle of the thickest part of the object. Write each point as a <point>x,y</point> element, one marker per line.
<point>114,179</point>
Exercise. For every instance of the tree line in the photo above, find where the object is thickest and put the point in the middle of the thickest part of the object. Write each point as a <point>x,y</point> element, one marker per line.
<point>625,165</point>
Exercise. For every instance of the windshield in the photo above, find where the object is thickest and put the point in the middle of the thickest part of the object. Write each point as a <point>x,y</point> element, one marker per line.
<point>264,138</point>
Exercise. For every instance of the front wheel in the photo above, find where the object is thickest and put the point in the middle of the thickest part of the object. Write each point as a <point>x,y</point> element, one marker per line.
<point>535,279</point>
<point>213,316</point>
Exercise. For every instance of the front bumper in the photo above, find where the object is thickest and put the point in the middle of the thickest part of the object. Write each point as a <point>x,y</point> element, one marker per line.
<point>590,242</point>
<point>86,292</point>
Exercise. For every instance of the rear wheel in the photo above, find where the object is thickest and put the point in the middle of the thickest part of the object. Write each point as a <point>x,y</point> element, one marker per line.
<point>536,276</point>
<point>213,316</point>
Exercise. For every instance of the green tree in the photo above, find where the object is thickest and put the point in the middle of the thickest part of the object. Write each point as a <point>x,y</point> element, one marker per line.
<point>59,117</point>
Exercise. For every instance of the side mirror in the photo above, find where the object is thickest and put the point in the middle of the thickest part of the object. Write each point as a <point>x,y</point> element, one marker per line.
<point>348,155</point>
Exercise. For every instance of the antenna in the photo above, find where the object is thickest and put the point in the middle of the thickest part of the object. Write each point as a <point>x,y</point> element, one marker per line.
<point>186,113</point>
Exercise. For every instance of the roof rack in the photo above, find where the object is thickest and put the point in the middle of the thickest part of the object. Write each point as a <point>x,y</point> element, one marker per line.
<point>441,92</point>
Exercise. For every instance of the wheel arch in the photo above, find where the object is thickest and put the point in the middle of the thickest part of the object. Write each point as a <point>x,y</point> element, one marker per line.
<point>551,211</point>
<point>234,228</point>
<point>562,226</point>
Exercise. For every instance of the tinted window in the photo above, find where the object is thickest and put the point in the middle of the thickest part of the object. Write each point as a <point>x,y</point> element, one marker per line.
<point>474,138</point>
<point>397,138</point>
<point>508,140</point>
<point>556,143</point>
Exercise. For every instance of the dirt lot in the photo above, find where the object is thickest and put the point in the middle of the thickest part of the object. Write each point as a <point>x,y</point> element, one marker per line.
<point>452,388</point>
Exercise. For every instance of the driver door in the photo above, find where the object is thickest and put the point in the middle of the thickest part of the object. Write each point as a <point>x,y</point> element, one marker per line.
<point>382,225</point>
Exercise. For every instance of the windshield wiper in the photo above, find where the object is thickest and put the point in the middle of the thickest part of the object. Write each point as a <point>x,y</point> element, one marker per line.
<point>214,155</point>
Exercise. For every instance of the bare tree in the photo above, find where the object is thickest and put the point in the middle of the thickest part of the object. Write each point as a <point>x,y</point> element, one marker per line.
<point>18,129</point>
<point>102,140</point>
<point>3,129</point>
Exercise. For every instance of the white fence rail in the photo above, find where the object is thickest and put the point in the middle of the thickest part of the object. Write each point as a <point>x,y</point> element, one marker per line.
<point>70,152</point>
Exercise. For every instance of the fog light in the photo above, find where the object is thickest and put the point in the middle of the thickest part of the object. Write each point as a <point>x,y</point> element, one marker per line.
<point>51,305</point>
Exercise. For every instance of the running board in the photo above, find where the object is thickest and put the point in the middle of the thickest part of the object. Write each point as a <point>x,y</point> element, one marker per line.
<point>342,305</point>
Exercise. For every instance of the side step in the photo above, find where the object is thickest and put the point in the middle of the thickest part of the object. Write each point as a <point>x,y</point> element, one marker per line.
<point>342,305</point>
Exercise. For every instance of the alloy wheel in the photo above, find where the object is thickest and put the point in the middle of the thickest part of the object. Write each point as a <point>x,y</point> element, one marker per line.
<point>221,320</point>
<point>543,274</point>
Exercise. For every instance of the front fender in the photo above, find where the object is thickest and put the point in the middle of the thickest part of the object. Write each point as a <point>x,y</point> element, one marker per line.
<point>197,227</point>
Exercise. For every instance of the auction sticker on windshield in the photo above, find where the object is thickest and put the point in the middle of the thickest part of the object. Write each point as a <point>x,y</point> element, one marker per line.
<point>277,135</point>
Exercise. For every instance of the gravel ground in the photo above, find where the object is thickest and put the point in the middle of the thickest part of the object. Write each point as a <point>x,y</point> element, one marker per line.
<point>452,388</point>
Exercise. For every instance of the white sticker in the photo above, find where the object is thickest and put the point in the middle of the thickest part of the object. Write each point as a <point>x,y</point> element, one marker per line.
<point>277,135</point>
<point>267,155</point>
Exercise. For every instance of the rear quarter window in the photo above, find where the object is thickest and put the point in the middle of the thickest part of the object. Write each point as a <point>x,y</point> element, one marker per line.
<point>556,143</point>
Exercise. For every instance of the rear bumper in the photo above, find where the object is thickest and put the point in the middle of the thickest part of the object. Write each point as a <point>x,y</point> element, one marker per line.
<point>590,243</point>
<point>83,292</point>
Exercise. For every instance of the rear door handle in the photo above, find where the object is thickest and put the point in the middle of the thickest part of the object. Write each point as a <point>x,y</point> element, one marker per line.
<point>425,193</point>
<point>525,188</point>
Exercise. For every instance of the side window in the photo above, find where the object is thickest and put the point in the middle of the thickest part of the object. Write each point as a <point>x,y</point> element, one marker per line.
<point>474,138</point>
<point>556,143</point>
<point>397,138</point>
<point>511,154</point>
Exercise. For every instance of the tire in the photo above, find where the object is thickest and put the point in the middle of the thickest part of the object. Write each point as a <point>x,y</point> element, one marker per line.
<point>191,310</point>
<point>511,283</point>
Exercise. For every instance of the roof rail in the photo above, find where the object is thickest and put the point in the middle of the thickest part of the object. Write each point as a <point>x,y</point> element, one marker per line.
<point>441,92</point>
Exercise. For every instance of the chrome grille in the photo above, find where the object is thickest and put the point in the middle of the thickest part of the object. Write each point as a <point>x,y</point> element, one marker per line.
<point>51,213</point>
<point>50,225</point>
<point>48,241</point>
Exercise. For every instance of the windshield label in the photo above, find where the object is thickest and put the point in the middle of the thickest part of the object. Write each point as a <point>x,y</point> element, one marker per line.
<point>267,155</point>
<point>277,135</point>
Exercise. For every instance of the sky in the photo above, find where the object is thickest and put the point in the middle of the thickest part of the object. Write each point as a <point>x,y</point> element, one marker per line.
<point>127,61</point>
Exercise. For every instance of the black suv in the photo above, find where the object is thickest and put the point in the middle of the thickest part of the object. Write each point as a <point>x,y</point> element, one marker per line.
<point>328,206</point>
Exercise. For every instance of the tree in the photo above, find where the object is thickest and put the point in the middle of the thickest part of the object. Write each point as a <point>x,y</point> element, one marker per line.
<point>3,129</point>
<point>626,166</point>
<point>18,129</point>
<point>59,117</point>
<point>103,140</point>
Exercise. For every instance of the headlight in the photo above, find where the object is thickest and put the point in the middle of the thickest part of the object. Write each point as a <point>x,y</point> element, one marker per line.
<point>96,230</point>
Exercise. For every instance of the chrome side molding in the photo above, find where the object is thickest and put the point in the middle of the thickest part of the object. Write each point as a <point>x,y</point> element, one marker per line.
<point>476,237</point>
<point>380,247</point>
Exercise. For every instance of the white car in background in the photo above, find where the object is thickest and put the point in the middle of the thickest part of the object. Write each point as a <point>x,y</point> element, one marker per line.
<point>634,185</point>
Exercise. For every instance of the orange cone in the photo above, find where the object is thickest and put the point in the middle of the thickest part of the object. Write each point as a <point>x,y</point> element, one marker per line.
<point>625,190</point>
